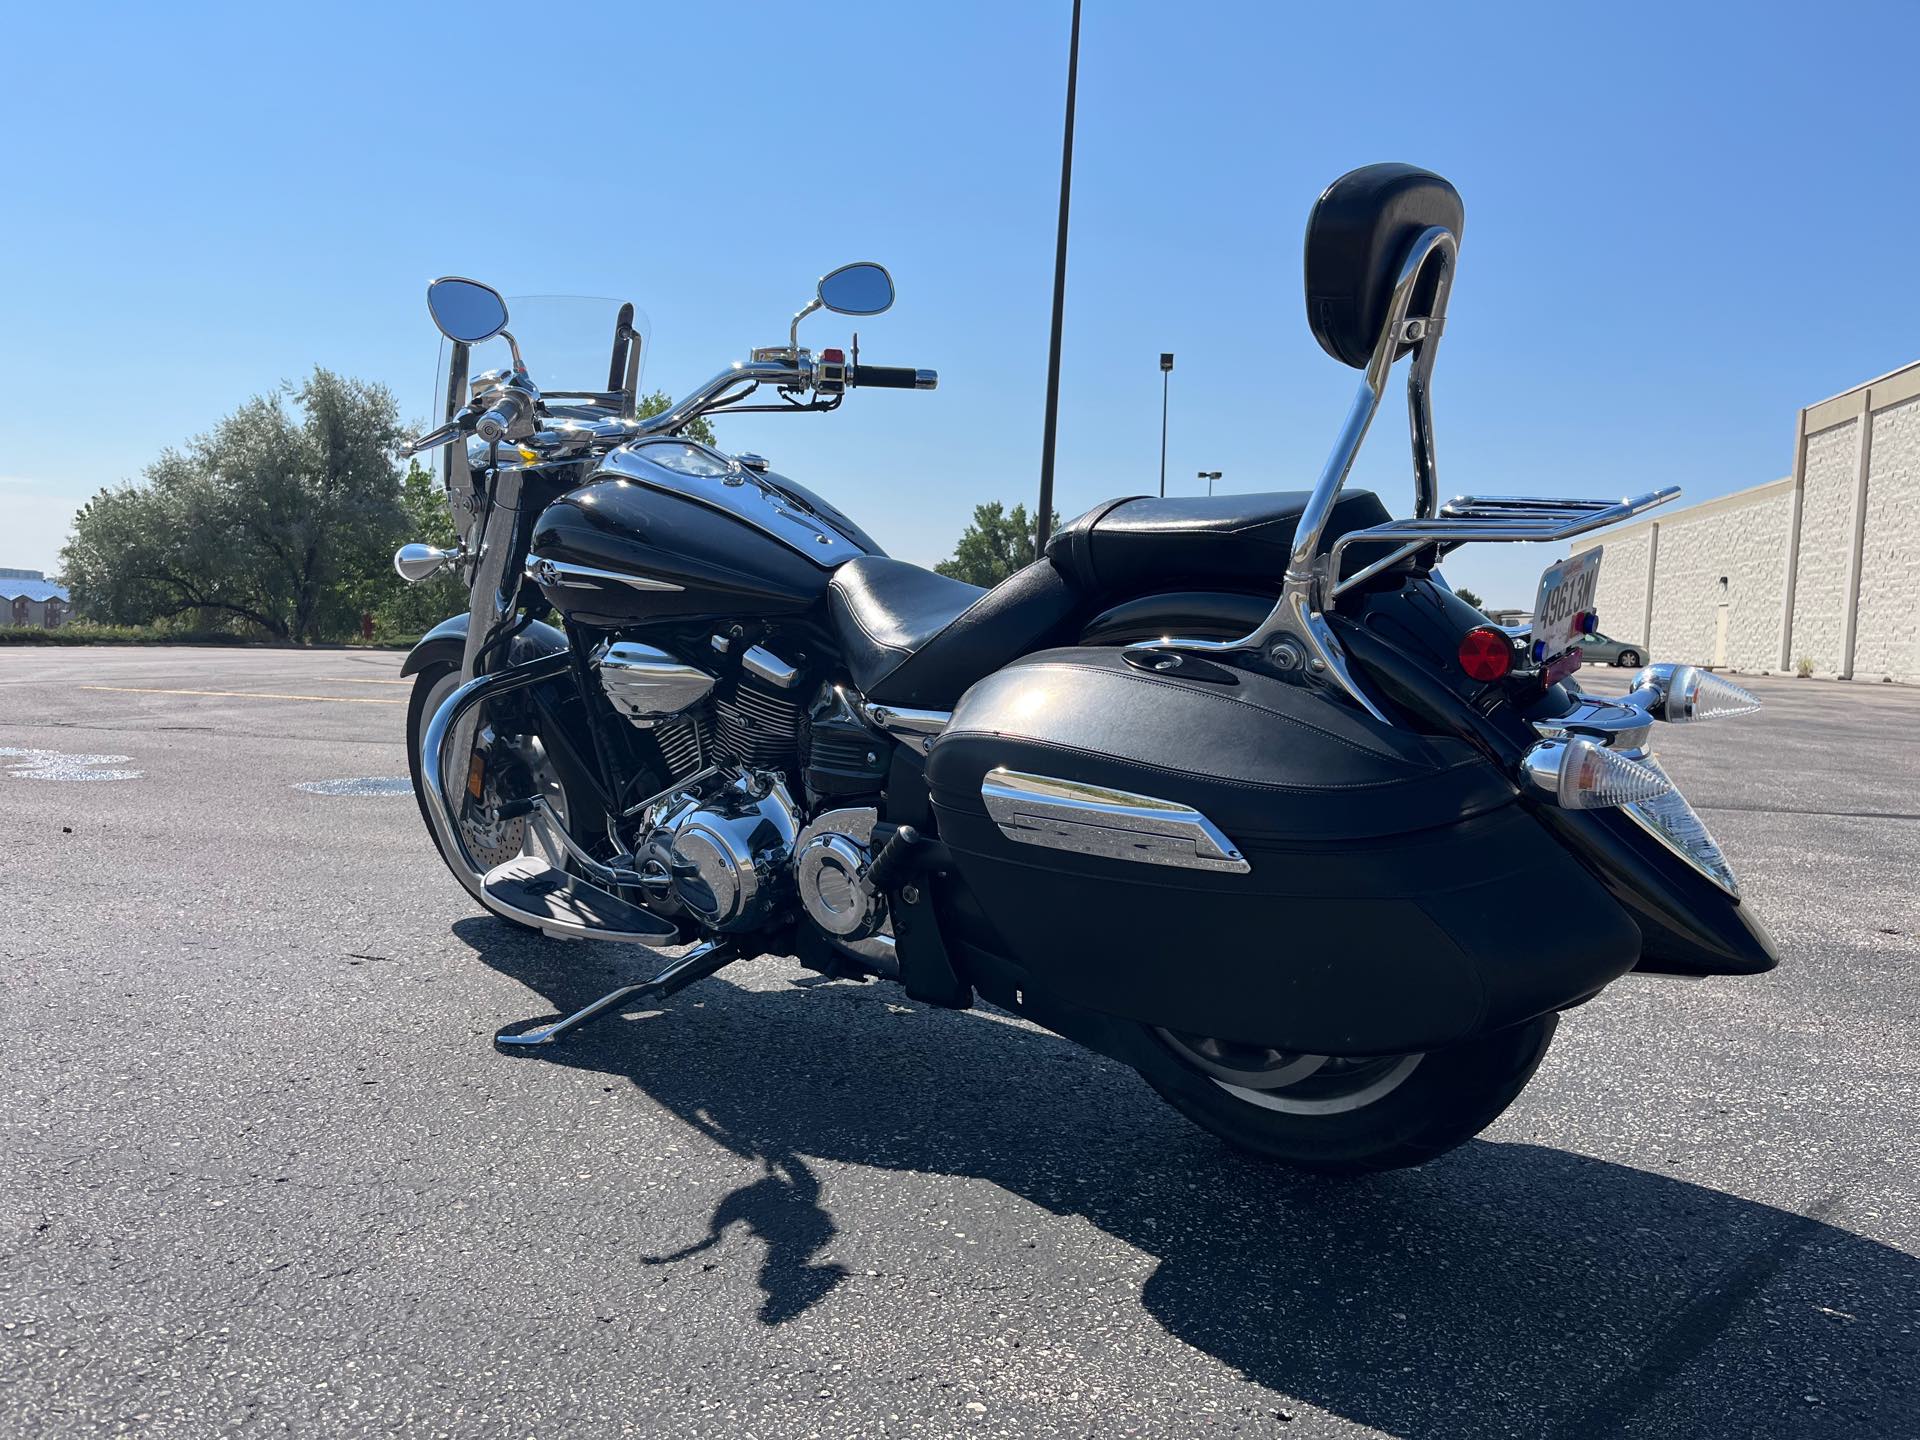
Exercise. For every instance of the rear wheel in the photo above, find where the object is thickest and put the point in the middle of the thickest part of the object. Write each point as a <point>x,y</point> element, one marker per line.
<point>1629,658</point>
<point>1345,1115</point>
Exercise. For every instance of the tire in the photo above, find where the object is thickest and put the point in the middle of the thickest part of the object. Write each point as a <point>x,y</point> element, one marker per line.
<point>1629,659</point>
<point>1351,1117</point>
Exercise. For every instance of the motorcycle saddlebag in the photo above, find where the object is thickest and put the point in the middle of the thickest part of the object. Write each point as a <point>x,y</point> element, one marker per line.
<point>1347,888</point>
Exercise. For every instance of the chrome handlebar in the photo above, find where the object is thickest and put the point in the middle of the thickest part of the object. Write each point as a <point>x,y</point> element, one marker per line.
<point>511,414</point>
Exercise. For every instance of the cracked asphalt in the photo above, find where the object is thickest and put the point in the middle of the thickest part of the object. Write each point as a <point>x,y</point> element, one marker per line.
<point>265,1174</point>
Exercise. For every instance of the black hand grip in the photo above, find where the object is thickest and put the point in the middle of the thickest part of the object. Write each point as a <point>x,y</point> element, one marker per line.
<point>891,377</point>
<point>500,420</point>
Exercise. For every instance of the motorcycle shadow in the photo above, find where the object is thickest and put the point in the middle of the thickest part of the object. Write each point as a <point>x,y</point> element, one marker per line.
<point>1509,1288</point>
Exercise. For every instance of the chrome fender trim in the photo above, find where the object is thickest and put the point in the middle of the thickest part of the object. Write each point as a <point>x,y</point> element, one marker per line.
<point>1116,824</point>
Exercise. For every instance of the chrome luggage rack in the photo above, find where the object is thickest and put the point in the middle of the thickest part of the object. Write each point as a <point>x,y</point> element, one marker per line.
<point>1468,518</point>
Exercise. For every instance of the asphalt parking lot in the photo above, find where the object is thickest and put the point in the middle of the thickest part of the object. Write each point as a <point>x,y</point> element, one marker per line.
<point>265,1173</point>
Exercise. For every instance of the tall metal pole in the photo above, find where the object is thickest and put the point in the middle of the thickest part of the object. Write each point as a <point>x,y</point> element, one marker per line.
<point>1044,525</point>
<point>1166,376</point>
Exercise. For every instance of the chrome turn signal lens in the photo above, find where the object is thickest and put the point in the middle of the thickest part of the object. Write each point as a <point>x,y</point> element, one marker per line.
<point>1584,775</point>
<point>416,562</point>
<point>1686,692</point>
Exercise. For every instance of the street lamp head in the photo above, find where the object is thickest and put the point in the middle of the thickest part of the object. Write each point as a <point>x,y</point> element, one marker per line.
<point>1166,360</point>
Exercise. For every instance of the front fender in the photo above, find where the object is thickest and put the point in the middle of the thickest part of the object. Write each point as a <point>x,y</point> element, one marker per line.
<point>449,638</point>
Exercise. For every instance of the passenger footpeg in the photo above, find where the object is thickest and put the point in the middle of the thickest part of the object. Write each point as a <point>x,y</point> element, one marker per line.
<point>528,889</point>
<point>698,963</point>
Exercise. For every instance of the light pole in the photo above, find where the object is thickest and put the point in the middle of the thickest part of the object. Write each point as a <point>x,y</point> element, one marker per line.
<point>1166,370</point>
<point>1209,476</point>
<point>1044,523</point>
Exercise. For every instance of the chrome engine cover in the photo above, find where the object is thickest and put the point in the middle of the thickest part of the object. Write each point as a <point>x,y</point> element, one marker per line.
<point>646,684</point>
<point>727,854</point>
<point>830,865</point>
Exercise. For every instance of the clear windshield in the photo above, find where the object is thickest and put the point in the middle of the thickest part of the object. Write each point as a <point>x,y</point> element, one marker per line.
<point>565,340</point>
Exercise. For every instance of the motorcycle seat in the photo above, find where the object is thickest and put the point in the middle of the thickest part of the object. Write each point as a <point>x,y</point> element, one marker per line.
<point>913,637</point>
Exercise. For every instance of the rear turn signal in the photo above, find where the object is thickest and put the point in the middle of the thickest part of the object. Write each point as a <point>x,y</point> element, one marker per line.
<point>1686,692</point>
<point>1582,775</point>
<point>1485,653</point>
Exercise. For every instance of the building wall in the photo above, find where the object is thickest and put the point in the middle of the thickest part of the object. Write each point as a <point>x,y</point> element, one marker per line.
<point>1822,566</point>
<point>1681,560</point>
<point>1820,599</point>
<point>1746,546</point>
<point>1625,570</point>
<point>1887,639</point>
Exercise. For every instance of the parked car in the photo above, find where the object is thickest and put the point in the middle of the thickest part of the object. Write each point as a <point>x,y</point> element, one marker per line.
<point>1597,649</point>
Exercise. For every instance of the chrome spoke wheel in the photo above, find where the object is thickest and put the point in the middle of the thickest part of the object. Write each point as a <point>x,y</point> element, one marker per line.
<point>1295,1083</point>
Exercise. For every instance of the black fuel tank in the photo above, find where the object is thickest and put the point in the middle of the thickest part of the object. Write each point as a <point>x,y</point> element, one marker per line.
<point>672,529</point>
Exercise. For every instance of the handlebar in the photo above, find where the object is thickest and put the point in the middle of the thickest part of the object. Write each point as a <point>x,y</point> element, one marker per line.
<point>504,417</point>
<point>892,377</point>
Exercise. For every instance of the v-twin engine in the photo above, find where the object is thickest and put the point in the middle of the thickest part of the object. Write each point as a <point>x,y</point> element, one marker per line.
<point>727,854</point>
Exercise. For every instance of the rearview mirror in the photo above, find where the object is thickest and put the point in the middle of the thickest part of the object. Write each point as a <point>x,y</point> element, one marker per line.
<point>466,310</point>
<point>859,289</point>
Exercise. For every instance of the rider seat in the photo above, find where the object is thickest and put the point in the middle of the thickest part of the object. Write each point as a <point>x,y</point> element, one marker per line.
<point>912,637</point>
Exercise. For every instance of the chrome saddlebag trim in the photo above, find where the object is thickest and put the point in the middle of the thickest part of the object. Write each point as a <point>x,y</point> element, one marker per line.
<point>1116,824</point>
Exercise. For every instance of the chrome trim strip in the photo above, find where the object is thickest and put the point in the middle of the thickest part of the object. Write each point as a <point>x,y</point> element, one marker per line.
<point>1115,824</point>
<point>564,575</point>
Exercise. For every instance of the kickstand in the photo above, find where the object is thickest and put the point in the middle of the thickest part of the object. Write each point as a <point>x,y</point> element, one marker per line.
<point>698,963</point>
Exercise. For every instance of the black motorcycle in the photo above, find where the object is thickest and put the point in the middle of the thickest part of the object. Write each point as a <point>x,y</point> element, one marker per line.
<point>1233,789</point>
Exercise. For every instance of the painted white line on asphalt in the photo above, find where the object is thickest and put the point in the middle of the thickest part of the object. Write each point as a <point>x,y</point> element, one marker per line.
<point>56,765</point>
<point>244,695</point>
<point>363,785</point>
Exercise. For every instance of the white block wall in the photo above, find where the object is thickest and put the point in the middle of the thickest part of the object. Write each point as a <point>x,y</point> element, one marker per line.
<point>1887,643</point>
<point>1820,599</point>
<point>1849,573</point>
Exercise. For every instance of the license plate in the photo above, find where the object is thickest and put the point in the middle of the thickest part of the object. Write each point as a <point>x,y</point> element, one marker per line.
<point>1566,594</point>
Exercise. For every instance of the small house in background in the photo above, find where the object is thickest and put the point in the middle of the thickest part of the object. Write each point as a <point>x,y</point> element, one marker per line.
<point>28,598</point>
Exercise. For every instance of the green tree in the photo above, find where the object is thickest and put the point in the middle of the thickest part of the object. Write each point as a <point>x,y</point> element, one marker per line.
<point>659,400</point>
<point>276,518</point>
<point>1472,599</point>
<point>401,610</point>
<point>994,546</point>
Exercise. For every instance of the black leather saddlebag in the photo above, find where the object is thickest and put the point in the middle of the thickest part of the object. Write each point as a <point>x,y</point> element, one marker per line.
<point>1346,888</point>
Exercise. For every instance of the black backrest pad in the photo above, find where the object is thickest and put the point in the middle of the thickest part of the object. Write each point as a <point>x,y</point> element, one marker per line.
<point>1357,238</point>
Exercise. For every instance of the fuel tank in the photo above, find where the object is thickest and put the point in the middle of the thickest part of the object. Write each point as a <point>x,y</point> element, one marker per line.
<point>670,529</point>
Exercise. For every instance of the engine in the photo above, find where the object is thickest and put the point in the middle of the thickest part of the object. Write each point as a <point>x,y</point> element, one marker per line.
<point>727,854</point>
<point>729,849</point>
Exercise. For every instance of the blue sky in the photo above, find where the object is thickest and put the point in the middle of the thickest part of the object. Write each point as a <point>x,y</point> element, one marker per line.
<point>1682,224</point>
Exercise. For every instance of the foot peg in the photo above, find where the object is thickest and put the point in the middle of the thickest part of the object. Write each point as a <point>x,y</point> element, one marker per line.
<point>698,963</point>
<point>528,889</point>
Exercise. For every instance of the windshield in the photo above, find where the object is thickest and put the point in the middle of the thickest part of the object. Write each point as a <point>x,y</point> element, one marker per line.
<point>565,340</point>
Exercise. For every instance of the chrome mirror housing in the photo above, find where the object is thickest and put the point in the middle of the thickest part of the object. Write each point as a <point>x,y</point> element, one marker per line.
<point>862,288</point>
<point>466,310</point>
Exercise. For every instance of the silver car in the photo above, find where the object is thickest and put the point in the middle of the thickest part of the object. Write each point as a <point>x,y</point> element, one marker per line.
<point>1597,649</point>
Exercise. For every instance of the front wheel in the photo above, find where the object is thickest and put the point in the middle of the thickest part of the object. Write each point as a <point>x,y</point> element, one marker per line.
<point>1345,1116</point>
<point>519,763</point>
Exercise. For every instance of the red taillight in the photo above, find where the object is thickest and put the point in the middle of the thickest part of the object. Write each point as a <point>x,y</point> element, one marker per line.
<point>1485,654</point>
